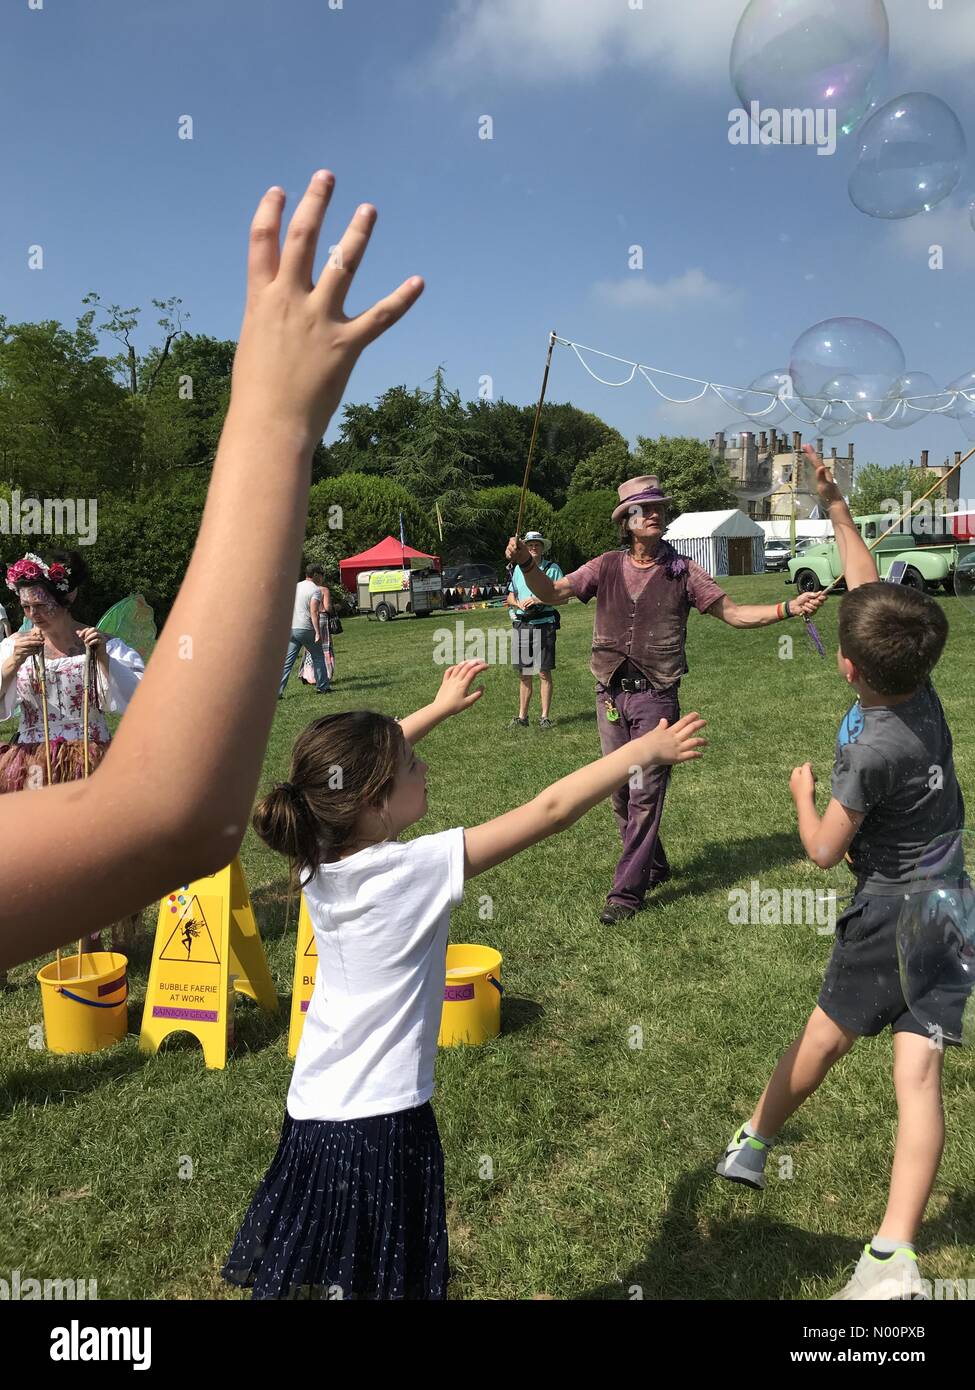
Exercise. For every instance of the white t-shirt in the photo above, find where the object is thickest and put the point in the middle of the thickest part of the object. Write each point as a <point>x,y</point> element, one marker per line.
<point>380,919</point>
<point>3,615</point>
<point>304,593</point>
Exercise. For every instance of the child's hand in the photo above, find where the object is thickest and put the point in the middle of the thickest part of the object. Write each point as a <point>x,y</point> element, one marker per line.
<point>802,783</point>
<point>664,746</point>
<point>825,485</point>
<point>297,348</point>
<point>455,693</point>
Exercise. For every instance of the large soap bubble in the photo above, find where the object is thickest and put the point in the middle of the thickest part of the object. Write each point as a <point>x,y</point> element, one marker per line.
<point>913,397</point>
<point>963,391</point>
<point>846,347</point>
<point>936,940</point>
<point>811,54</point>
<point>911,155</point>
<point>764,401</point>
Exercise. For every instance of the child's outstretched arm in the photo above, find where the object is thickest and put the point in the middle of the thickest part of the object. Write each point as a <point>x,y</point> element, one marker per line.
<point>454,695</point>
<point>856,561</point>
<point>174,793</point>
<point>564,802</point>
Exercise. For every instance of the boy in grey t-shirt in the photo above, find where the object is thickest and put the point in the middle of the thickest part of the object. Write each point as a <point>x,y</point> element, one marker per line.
<point>894,792</point>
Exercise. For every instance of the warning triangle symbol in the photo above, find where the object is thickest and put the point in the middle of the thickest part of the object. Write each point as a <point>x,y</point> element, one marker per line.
<point>190,939</point>
<point>311,949</point>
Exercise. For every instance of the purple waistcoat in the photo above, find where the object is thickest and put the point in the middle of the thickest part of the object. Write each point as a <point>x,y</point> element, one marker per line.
<point>650,631</point>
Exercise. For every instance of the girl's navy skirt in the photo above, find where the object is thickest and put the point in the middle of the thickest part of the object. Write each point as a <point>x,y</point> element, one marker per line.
<point>348,1209</point>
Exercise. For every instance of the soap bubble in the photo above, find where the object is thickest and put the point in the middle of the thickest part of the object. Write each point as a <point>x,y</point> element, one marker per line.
<point>811,54</point>
<point>936,940</point>
<point>765,399</point>
<point>845,347</point>
<point>963,390</point>
<point>917,387</point>
<point>911,154</point>
<point>964,582</point>
<point>844,403</point>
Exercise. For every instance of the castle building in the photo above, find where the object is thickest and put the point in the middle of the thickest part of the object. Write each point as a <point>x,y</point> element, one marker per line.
<point>765,472</point>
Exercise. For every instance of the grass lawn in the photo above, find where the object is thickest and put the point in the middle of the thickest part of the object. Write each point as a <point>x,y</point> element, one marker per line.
<point>602,1153</point>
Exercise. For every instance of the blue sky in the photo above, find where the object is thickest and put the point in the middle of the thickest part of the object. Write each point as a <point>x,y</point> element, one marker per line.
<point>610,129</point>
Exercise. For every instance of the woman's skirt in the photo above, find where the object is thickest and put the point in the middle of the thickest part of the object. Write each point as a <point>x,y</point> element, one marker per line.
<point>348,1209</point>
<point>24,765</point>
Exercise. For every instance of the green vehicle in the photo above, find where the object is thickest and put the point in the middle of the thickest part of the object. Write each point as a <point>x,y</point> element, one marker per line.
<point>930,556</point>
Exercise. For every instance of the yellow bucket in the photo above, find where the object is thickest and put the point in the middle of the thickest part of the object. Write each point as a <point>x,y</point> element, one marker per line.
<point>472,996</point>
<point>88,1012</point>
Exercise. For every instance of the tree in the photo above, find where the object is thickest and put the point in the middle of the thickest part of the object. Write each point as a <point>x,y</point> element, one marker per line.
<point>584,528</point>
<point>495,518</point>
<point>66,427</point>
<point>359,510</point>
<point>686,473</point>
<point>607,467</point>
<point>875,486</point>
<point>433,463</point>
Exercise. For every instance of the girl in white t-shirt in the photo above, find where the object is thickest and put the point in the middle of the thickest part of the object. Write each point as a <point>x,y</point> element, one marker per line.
<point>353,1203</point>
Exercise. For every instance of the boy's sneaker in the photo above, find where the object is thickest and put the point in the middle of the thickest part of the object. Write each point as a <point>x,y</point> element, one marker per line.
<point>518,721</point>
<point>545,724</point>
<point>894,1278</point>
<point>744,1160</point>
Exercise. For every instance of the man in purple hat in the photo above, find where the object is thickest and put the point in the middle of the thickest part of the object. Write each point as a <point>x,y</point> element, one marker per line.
<point>644,592</point>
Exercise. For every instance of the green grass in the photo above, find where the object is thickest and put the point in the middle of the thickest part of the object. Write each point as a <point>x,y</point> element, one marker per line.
<point>602,1153</point>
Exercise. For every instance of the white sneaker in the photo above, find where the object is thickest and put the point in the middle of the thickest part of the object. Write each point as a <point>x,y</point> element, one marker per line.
<point>744,1160</point>
<point>894,1278</point>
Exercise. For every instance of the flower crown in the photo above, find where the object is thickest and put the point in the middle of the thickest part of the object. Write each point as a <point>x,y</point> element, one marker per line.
<point>32,568</point>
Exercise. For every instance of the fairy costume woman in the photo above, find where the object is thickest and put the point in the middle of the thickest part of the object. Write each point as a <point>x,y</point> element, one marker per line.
<point>46,669</point>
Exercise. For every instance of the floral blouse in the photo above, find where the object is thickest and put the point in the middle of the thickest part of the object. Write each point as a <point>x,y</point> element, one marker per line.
<point>65,693</point>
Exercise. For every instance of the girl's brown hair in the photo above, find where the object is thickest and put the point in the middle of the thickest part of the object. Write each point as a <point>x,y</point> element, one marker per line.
<point>340,765</point>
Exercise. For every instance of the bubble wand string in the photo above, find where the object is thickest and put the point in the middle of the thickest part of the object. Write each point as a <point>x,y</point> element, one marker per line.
<point>531,446</point>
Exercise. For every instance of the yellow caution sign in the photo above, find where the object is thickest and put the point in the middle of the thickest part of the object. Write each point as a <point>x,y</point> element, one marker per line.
<point>207,945</point>
<point>306,963</point>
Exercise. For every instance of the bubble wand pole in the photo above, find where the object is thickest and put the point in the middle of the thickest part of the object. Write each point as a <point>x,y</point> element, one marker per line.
<point>531,446</point>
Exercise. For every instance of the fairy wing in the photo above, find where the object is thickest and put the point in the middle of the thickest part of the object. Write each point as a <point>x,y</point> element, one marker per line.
<point>133,622</point>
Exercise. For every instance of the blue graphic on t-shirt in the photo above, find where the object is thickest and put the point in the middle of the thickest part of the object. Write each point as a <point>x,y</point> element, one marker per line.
<point>852,726</point>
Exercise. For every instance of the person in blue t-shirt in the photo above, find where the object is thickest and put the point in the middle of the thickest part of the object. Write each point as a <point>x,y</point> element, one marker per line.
<point>534,629</point>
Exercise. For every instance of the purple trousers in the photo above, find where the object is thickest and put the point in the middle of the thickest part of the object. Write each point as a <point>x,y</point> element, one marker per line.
<point>639,808</point>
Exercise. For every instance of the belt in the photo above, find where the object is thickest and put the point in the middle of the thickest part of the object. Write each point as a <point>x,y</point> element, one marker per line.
<point>630,685</point>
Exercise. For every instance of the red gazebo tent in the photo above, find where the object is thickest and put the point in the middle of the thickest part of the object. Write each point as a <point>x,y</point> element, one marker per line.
<point>388,554</point>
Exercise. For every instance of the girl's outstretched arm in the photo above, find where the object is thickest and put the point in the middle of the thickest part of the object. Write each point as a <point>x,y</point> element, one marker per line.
<point>454,696</point>
<point>172,798</point>
<point>564,802</point>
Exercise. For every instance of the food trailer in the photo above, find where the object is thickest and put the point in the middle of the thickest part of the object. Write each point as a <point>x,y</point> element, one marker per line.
<point>383,593</point>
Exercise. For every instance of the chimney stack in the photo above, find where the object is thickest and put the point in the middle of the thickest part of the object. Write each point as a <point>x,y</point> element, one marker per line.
<point>819,447</point>
<point>796,441</point>
<point>834,451</point>
<point>924,458</point>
